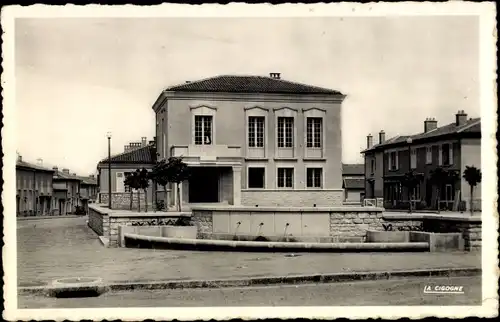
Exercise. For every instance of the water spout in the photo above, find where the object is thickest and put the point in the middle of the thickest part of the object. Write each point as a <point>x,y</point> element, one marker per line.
<point>260,226</point>
<point>235,237</point>
<point>284,232</point>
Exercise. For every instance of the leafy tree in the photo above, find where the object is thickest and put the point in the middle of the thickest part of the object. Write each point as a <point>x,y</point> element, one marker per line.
<point>411,180</point>
<point>159,175</point>
<point>132,181</point>
<point>473,176</point>
<point>144,184</point>
<point>177,171</point>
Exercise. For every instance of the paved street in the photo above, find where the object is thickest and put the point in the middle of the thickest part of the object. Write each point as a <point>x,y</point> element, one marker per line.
<point>400,292</point>
<point>55,248</point>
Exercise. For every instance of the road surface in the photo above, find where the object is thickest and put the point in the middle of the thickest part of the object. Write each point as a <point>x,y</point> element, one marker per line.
<point>376,293</point>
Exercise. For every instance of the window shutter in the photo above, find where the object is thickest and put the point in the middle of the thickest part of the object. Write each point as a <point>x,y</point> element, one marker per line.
<point>451,153</point>
<point>440,154</point>
<point>389,161</point>
<point>397,160</point>
<point>120,185</point>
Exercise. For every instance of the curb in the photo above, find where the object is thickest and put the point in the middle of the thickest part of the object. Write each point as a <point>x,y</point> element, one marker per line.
<point>49,217</point>
<point>274,280</point>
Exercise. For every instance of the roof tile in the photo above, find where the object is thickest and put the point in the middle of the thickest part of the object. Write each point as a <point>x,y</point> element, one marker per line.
<point>250,84</point>
<point>146,155</point>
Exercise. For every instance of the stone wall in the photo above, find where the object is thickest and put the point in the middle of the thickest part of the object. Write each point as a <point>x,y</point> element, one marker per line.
<point>98,221</point>
<point>352,226</point>
<point>292,198</point>
<point>121,200</point>
<point>203,220</point>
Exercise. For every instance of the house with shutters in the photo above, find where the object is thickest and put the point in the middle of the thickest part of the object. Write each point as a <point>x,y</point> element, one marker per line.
<point>34,194</point>
<point>452,146</point>
<point>136,155</point>
<point>253,140</point>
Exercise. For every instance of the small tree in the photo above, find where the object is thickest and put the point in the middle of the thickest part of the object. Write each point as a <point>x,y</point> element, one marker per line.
<point>160,175</point>
<point>144,184</point>
<point>473,176</point>
<point>132,181</point>
<point>411,180</point>
<point>177,171</point>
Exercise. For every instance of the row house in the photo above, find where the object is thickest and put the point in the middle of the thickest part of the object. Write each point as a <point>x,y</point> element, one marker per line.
<point>66,188</point>
<point>33,188</point>
<point>88,191</point>
<point>253,140</point>
<point>452,146</point>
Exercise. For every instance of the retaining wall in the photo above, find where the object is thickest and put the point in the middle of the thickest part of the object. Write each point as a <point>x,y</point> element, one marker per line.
<point>105,222</point>
<point>292,198</point>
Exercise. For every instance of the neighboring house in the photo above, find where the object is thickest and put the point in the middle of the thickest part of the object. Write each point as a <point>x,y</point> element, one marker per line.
<point>66,188</point>
<point>453,146</point>
<point>135,156</point>
<point>88,191</point>
<point>353,176</point>
<point>253,140</point>
<point>33,189</point>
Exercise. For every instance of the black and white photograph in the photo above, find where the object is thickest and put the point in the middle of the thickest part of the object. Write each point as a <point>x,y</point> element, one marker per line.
<point>249,161</point>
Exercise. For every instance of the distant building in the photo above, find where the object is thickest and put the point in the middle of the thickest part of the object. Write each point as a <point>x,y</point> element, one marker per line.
<point>88,191</point>
<point>66,188</point>
<point>253,140</point>
<point>353,177</point>
<point>135,156</point>
<point>453,147</point>
<point>33,189</point>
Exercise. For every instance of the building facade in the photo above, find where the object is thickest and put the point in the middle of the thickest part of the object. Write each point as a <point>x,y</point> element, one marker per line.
<point>253,140</point>
<point>353,177</point>
<point>135,156</point>
<point>66,187</point>
<point>33,189</point>
<point>452,147</point>
<point>88,191</point>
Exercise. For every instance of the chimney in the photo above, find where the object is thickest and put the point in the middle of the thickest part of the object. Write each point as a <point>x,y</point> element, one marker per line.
<point>144,141</point>
<point>74,174</point>
<point>92,176</point>
<point>19,158</point>
<point>275,75</point>
<point>369,141</point>
<point>125,148</point>
<point>66,171</point>
<point>461,118</point>
<point>430,124</point>
<point>381,137</point>
<point>55,169</point>
<point>39,162</point>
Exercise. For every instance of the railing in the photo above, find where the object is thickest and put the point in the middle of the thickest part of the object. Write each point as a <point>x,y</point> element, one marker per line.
<point>207,152</point>
<point>373,202</point>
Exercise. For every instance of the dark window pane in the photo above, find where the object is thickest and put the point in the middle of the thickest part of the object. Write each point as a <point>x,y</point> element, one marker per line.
<point>256,177</point>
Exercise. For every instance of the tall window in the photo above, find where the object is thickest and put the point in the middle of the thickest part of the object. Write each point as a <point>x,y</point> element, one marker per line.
<point>203,129</point>
<point>256,131</point>
<point>256,178</point>
<point>428,155</point>
<point>314,132</point>
<point>285,132</point>
<point>314,177</point>
<point>447,154</point>
<point>416,193</point>
<point>372,166</point>
<point>393,161</point>
<point>413,158</point>
<point>285,177</point>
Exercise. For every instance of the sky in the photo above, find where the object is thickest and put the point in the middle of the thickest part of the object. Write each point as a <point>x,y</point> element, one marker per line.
<point>79,78</point>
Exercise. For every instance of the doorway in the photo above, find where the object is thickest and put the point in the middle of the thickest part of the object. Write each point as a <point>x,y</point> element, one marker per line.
<point>204,185</point>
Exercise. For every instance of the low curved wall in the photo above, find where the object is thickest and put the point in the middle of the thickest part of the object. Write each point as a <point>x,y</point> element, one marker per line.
<point>342,223</point>
<point>134,240</point>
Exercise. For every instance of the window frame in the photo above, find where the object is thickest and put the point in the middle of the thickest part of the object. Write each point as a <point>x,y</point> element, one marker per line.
<point>283,131</point>
<point>285,169</point>
<point>202,110</point>
<point>314,136</point>
<point>428,155</point>
<point>321,177</point>
<point>255,127</point>
<point>264,168</point>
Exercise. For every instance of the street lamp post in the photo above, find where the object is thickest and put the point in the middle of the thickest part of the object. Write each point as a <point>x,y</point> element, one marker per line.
<point>409,141</point>
<point>109,169</point>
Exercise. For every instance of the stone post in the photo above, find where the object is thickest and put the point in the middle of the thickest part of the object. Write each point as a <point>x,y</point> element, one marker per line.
<point>236,185</point>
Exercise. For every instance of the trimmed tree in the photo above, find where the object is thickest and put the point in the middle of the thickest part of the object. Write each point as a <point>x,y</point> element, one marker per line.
<point>439,177</point>
<point>177,171</point>
<point>411,180</point>
<point>160,176</point>
<point>473,176</point>
<point>144,184</point>
<point>132,181</point>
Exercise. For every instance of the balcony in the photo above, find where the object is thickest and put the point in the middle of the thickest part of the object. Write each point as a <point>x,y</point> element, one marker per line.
<point>206,152</point>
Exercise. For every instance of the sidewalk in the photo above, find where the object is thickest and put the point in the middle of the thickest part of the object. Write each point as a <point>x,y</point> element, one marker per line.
<point>52,249</point>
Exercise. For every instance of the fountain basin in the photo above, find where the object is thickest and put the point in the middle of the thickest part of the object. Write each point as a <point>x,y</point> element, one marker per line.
<point>134,240</point>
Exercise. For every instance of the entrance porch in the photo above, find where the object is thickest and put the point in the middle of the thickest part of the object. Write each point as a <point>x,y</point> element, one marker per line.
<point>214,184</point>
